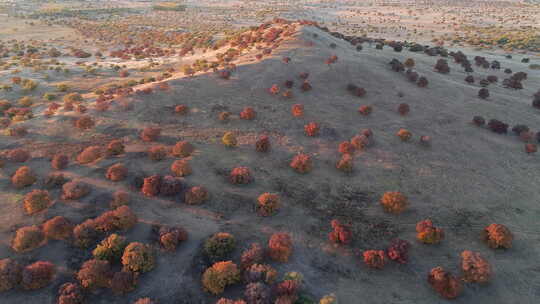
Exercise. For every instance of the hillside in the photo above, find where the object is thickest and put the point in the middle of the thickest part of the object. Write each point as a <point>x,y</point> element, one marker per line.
<point>466,178</point>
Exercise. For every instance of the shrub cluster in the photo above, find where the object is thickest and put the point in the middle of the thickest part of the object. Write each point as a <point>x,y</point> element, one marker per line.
<point>427,233</point>
<point>374,258</point>
<point>302,163</point>
<point>475,268</point>
<point>444,283</point>
<point>398,251</point>
<point>181,168</point>
<point>268,204</point>
<point>36,201</point>
<point>89,155</point>
<point>75,190</point>
<point>23,177</point>
<point>27,239</point>
<point>58,228</point>
<point>95,274</point>
<point>38,275</point>
<point>116,172</point>
<point>280,247</point>
<point>138,257</point>
<point>183,149</point>
<point>10,274</point>
<point>394,202</point>
<point>341,233</point>
<point>196,195</point>
<point>240,176</point>
<point>498,236</point>
<point>171,237</point>
<point>219,276</point>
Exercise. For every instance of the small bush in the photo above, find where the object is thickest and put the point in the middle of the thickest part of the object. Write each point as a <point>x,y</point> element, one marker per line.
<point>182,149</point>
<point>150,134</point>
<point>84,123</point>
<point>18,155</point>
<point>374,258</point>
<point>138,257</point>
<point>144,301</point>
<point>240,176</point>
<point>59,161</point>
<point>196,195</point>
<point>116,172</point>
<point>427,233</point>
<point>111,248</point>
<point>302,163</point>
<point>483,93</point>
<point>394,202</point>
<point>229,140</point>
<point>27,239</point>
<point>341,233</point>
<point>170,185</point>
<point>95,274</point>
<point>360,142</point>
<point>404,134</point>
<point>89,155</point>
<point>398,251</point>
<point>329,299</point>
<point>422,82</point>
<point>10,274</point>
<point>479,121</point>
<point>115,147</point>
<point>498,236</point>
<point>228,301</point>
<point>280,247</point>
<point>58,228</point>
<point>297,110</point>
<point>346,148</point>
<point>258,293</point>
<point>38,275</point>
<point>157,153</point>
<point>219,246</point>
<point>475,268</point>
<point>260,273</point>
<point>444,283</point>
<point>248,113</point>
<point>121,218</point>
<point>530,148</point>
<point>151,185</point>
<point>267,204</point>
<point>224,116</point>
<point>219,276</point>
<point>253,255</point>
<point>403,109</point>
<point>36,201</point>
<point>498,126</point>
<point>23,177</point>
<point>181,109</point>
<point>170,237</point>
<point>262,144</point>
<point>181,168</point>
<point>365,110</point>
<point>70,293</point>
<point>85,233</point>
<point>75,190</point>
<point>346,163</point>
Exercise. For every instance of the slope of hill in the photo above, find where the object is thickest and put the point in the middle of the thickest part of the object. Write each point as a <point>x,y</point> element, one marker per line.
<point>466,179</point>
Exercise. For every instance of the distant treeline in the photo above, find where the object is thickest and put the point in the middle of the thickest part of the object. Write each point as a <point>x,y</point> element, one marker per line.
<point>169,6</point>
<point>66,12</point>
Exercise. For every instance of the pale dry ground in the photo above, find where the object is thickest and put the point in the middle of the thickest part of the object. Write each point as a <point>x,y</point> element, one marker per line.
<point>468,179</point>
<point>15,28</point>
